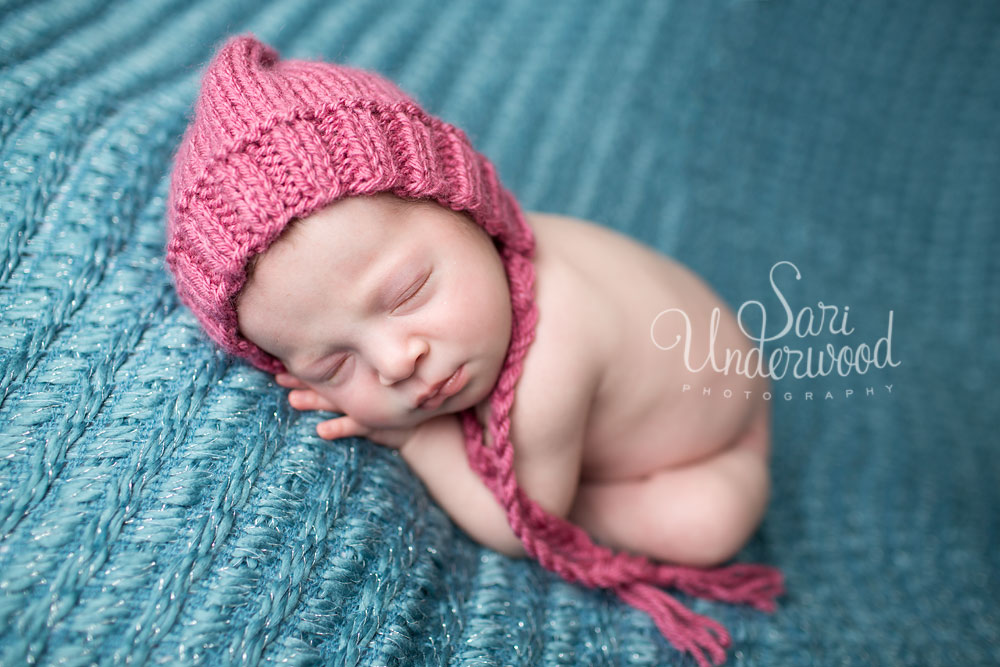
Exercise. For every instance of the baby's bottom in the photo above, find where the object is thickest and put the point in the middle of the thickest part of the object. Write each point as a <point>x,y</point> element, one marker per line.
<point>699,514</point>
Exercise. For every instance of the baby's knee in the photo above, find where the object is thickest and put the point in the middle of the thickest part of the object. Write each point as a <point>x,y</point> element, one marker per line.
<point>727,511</point>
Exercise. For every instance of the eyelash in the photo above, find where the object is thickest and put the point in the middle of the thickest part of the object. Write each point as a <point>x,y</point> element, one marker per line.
<point>415,292</point>
<point>336,369</point>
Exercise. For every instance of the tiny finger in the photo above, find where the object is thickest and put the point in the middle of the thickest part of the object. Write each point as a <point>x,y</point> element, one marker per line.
<point>303,399</point>
<point>308,399</point>
<point>289,381</point>
<point>341,427</point>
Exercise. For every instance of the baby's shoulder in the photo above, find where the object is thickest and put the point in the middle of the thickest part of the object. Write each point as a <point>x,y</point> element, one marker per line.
<point>580,309</point>
<point>572,339</point>
<point>565,363</point>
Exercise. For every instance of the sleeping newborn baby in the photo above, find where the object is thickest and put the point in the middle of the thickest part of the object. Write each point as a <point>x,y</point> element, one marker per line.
<point>397,314</point>
<point>328,230</point>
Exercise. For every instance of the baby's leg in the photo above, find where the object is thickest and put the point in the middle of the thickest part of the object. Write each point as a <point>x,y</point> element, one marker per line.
<point>699,514</point>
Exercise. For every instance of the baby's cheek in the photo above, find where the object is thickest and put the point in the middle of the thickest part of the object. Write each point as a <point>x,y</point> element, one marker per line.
<point>372,406</point>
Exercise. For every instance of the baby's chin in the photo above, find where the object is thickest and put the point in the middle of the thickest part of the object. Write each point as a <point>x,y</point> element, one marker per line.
<point>409,420</point>
<point>450,407</point>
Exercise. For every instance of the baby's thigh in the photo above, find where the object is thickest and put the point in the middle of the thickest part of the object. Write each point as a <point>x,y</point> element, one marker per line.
<point>698,514</point>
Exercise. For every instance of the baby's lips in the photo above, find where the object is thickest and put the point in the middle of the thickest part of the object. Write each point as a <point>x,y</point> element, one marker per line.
<point>445,389</point>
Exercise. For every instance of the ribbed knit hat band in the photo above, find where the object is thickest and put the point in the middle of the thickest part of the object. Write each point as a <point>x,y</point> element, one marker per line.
<point>274,140</point>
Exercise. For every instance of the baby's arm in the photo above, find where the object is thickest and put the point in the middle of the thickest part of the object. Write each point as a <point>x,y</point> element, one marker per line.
<point>547,465</point>
<point>436,454</point>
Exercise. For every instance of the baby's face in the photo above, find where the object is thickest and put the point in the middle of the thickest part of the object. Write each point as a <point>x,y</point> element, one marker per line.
<point>374,303</point>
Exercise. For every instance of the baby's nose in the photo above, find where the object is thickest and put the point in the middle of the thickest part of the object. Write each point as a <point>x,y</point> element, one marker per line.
<point>400,361</point>
<point>388,378</point>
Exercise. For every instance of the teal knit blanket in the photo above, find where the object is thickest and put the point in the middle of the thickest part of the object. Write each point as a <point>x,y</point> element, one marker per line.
<point>160,503</point>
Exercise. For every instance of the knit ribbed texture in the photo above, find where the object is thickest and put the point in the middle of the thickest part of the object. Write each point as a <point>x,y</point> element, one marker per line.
<point>160,504</point>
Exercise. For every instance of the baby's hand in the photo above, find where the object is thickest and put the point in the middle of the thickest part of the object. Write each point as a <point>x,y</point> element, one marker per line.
<point>304,398</point>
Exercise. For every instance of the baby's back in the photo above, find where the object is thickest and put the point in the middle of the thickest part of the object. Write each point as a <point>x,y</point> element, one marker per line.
<point>598,294</point>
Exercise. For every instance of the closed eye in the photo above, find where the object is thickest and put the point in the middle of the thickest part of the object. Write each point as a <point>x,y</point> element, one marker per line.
<point>411,293</point>
<point>332,373</point>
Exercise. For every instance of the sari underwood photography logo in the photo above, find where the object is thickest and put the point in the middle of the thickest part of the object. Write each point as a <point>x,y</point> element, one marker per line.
<point>798,356</point>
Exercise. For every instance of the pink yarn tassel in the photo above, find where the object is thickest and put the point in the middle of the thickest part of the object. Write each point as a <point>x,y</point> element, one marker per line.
<point>685,629</point>
<point>740,583</point>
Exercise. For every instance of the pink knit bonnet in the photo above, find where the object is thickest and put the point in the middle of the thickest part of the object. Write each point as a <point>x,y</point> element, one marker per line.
<point>275,140</point>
